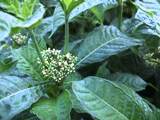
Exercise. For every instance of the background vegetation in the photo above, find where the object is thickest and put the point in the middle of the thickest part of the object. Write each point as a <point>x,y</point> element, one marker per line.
<point>79,59</point>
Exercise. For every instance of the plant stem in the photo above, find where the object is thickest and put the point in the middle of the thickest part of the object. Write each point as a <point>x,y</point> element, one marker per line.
<point>37,48</point>
<point>66,40</point>
<point>155,88</point>
<point>120,15</point>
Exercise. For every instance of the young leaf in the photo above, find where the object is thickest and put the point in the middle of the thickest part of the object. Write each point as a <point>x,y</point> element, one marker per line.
<point>54,109</point>
<point>107,100</point>
<point>16,95</point>
<point>69,5</point>
<point>103,43</point>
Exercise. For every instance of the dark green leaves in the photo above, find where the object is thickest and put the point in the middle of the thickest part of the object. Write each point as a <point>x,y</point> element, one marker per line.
<point>103,43</point>
<point>4,29</point>
<point>132,81</point>
<point>54,109</point>
<point>107,100</point>
<point>148,13</point>
<point>27,61</point>
<point>6,61</point>
<point>17,95</point>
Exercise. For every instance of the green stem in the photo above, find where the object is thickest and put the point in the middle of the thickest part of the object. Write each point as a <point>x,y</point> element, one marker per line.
<point>66,40</point>
<point>155,88</point>
<point>120,15</point>
<point>37,48</point>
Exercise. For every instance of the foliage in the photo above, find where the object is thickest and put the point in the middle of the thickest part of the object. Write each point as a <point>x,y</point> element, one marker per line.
<point>104,64</point>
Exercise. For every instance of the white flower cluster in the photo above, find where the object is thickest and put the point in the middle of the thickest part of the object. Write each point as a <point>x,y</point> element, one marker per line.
<point>57,66</point>
<point>19,38</point>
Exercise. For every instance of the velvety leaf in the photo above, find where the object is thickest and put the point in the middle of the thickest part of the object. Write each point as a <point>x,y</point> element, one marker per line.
<point>54,109</point>
<point>133,81</point>
<point>107,100</point>
<point>103,43</point>
<point>16,95</point>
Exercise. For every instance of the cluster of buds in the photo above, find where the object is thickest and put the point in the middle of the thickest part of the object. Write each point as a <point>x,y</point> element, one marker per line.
<point>151,60</point>
<point>19,38</point>
<point>57,66</point>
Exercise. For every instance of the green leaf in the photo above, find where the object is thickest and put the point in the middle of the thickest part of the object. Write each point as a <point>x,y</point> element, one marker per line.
<point>148,12</point>
<point>16,95</point>
<point>107,100</point>
<point>13,22</point>
<point>69,5</point>
<point>103,43</point>
<point>139,29</point>
<point>54,109</point>
<point>52,23</point>
<point>22,9</point>
<point>27,61</point>
<point>4,29</point>
<point>133,81</point>
<point>6,61</point>
<point>76,105</point>
<point>99,12</point>
<point>102,71</point>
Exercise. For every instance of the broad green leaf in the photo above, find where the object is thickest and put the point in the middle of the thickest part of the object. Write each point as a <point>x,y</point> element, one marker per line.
<point>139,29</point>
<point>103,43</point>
<point>16,95</point>
<point>6,61</point>
<point>22,9</point>
<point>52,23</point>
<point>133,81</point>
<point>13,22</point>
<point>4,29</point>
<point>148,12</point>
<point>76,105</point>
<point>27,61</point>
<point>54,109</point>
<point>107,100</point>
